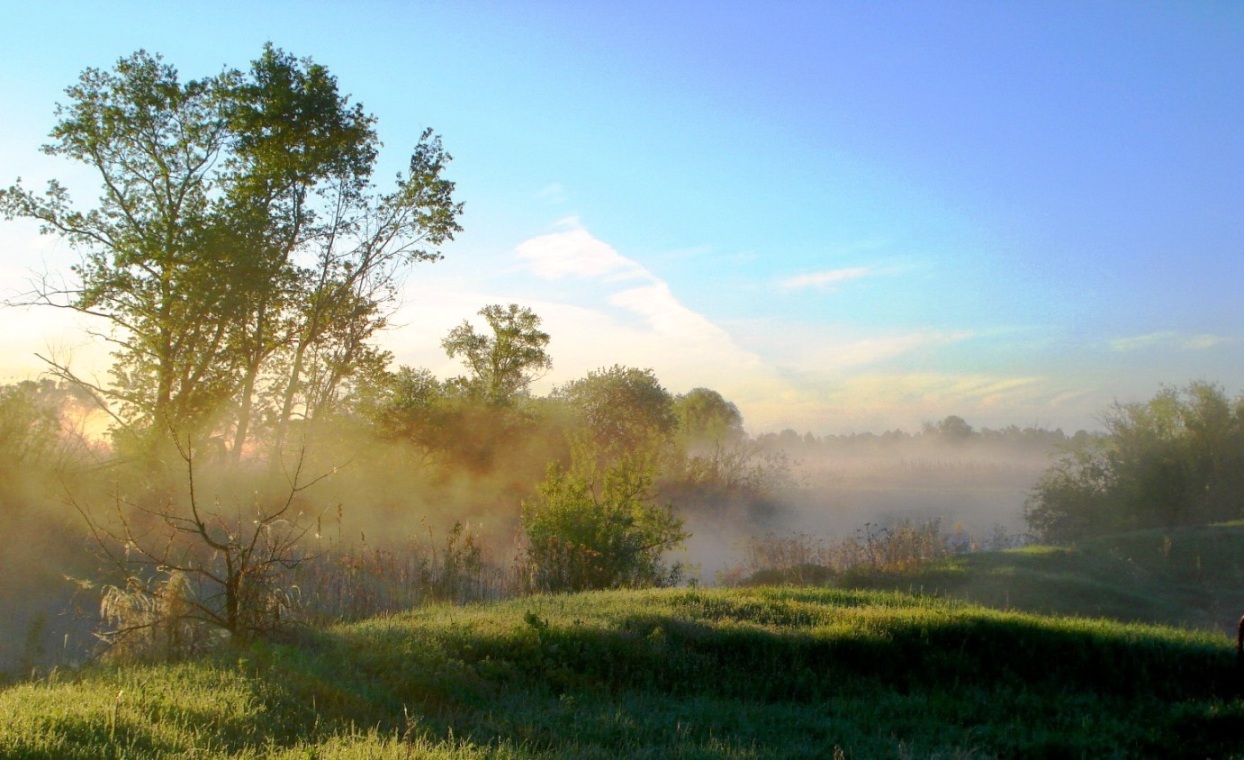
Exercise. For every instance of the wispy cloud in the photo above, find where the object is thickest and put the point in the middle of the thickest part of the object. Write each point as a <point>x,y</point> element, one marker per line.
<point>827,280</point>
<point>574,252</point>
<point>1202,342</point>
<point>873,350</point>
<point>932,395</point>
<point>554,194</point>
<point>836,348</point>
<point>1168,339</point>
<point>634,318</point>
<point>876,401</point>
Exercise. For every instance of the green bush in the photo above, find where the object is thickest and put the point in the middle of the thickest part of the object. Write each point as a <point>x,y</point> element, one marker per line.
<point>1177,459</point>
<point>588,529</point>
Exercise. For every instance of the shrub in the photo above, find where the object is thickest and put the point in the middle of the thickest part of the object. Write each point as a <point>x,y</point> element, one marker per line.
<point>588,529</point>
<point>1174,460</point>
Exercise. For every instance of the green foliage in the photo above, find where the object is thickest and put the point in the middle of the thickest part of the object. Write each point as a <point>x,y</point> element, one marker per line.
<point>714,465</point>
<point>410,404</point>
<point>743,673</point>
<point>237,249</point>
<point>1075,496</point>
<point>458,432</point>
<point>34,426</point>
<point>243,262</point>
<point>739,473</point>
<point>1186,577</point>
<point>705,418</point>
<point>588,529</point>
<point>1177,459</point>
<point>622,409</point>
<point>507,362</point>
<point>952,429</point>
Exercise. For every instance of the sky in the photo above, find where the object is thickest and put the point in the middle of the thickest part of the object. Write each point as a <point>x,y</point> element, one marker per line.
<point>843,216</point>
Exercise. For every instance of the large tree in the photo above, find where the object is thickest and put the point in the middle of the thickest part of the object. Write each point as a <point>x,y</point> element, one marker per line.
<point>622,409</point>
<point>504,364</point>
<point>707,419</point>
<point>241,261</point>
<point>238,254</point>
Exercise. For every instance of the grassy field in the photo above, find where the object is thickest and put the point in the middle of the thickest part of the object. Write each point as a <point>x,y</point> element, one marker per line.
<point>1112,648</point>
<point>1188,577</point>
<point>733,673</point>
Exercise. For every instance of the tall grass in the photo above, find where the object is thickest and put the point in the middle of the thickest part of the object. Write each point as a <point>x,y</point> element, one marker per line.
<point>352,583</point>
<point>897,548</point>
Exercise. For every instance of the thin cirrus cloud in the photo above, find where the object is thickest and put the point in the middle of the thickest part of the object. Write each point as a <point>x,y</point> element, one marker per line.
<point>929,394</point>
<point>874,350</point>
<point>833,349</point>
<point>1167,339</point>
<point>827,280</point>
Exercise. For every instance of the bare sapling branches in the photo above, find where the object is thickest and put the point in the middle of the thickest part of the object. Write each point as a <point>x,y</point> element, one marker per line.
<point>196,568</point>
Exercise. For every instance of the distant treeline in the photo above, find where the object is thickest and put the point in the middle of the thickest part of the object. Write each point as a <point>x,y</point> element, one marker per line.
<point>952,429</point>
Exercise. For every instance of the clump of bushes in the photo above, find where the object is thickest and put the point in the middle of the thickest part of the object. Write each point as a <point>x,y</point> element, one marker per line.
<point>1177,459</point>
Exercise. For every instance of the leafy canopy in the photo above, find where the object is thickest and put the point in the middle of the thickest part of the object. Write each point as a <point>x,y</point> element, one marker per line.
<point>503,364</point>
<point>238,256</point>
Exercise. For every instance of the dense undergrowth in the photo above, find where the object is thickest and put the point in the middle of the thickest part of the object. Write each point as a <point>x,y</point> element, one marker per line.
<point>745,673</point>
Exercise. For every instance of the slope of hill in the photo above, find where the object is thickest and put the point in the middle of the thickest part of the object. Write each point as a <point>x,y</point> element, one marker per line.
<point>1187,577</point>
<point>734,673</point>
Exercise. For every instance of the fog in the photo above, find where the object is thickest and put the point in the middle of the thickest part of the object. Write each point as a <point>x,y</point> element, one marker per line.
<point>387,505</point>
<point>838,488</point>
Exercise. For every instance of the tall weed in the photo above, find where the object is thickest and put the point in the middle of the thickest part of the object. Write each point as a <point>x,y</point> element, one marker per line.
<point>803,559</point>
<point>361,581</point>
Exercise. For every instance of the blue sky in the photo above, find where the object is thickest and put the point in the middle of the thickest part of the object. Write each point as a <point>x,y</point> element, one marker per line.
<point>843,216</point>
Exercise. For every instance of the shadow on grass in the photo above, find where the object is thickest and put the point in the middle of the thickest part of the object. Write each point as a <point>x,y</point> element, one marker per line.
<point>526,680</point>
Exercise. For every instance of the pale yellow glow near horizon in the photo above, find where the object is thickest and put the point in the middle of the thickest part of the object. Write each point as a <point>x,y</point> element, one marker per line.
<point>819,383</point>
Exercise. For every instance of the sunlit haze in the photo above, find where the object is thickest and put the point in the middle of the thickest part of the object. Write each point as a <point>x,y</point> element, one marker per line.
<point>841,216</point>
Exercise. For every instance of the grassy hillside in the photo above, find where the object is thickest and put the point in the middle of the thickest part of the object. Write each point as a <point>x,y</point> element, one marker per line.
<point>1189,577</point>
<point>738,673</point>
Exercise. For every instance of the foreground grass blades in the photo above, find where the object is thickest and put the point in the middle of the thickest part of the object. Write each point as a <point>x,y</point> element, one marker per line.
<point>746,673</point>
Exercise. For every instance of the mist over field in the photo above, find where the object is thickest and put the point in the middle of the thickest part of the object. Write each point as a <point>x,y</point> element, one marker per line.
<point>838,488</point>
<point>394,503</point>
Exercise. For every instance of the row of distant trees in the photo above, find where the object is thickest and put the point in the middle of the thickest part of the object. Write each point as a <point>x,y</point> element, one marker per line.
<point>953,430</point>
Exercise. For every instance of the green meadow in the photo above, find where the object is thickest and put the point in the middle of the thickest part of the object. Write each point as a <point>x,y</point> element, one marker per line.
<point>1189,577</point>
<point>746,672</point>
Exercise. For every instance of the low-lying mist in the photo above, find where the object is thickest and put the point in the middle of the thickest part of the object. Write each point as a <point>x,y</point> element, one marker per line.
<point>381,517</point>
<point>841,487</point>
